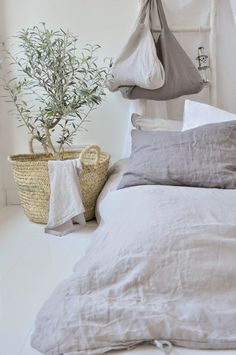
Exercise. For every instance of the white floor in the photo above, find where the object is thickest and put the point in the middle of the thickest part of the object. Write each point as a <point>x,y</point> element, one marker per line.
<point>31,265</point>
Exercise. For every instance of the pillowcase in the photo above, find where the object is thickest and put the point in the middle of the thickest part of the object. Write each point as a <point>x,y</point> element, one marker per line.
<point>144,123</point>
<point>201,157</point>
<point>198,114</point>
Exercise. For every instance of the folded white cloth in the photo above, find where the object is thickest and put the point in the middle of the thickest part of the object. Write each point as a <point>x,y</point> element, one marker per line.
<point>65,206</point>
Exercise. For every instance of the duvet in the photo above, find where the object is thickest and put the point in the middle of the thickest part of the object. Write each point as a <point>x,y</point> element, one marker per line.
<point>162,266</point>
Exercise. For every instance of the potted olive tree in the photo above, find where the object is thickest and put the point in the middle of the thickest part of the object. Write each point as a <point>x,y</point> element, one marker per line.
<point>55,90</point>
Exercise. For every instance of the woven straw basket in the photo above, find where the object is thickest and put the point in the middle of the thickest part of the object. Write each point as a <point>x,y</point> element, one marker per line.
<point>32,180</point>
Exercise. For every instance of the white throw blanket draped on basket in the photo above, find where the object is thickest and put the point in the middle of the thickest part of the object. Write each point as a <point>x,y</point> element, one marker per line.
<point>66,206</point>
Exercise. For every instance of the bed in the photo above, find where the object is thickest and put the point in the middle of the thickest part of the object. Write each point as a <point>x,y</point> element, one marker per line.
<point>115,175</point>
<point>161,268</point>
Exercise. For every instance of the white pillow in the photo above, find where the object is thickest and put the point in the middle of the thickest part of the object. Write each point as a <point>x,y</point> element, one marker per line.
<point>198,114</point>
<point>144,123</point>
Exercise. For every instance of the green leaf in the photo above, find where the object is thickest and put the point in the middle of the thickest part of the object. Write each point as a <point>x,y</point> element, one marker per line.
<point>56,83</point>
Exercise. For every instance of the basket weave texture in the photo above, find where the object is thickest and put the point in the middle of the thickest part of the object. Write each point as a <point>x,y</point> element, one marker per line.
<point>32,180</point>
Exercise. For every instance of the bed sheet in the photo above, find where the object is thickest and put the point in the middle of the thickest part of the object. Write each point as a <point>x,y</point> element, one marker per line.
<point>114,176</point>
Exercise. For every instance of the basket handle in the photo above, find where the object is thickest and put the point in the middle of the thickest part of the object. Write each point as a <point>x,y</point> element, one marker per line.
<point>91,148</point>
<point>31,148</point>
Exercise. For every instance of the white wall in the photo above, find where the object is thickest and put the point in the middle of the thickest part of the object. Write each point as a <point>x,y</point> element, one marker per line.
<point>106,22</point>
<point>2,148</point>
<point>2,189</point>
<point>226,54</point>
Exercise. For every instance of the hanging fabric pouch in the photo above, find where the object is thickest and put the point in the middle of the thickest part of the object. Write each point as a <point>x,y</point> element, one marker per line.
<point>138,64</point>
<point>181,76</point>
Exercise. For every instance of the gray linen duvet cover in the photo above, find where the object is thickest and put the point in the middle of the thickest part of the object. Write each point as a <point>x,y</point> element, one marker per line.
<point>162,266</point>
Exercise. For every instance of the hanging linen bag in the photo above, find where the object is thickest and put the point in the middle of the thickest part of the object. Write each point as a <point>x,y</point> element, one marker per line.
<point>181,76</point>
<point>138,64</point>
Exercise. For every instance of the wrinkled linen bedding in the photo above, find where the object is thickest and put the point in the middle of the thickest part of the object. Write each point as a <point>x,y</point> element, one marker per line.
<point>162,266</point>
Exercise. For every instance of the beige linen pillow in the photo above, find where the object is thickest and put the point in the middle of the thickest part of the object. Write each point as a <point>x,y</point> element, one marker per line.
<point>145,123</point>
